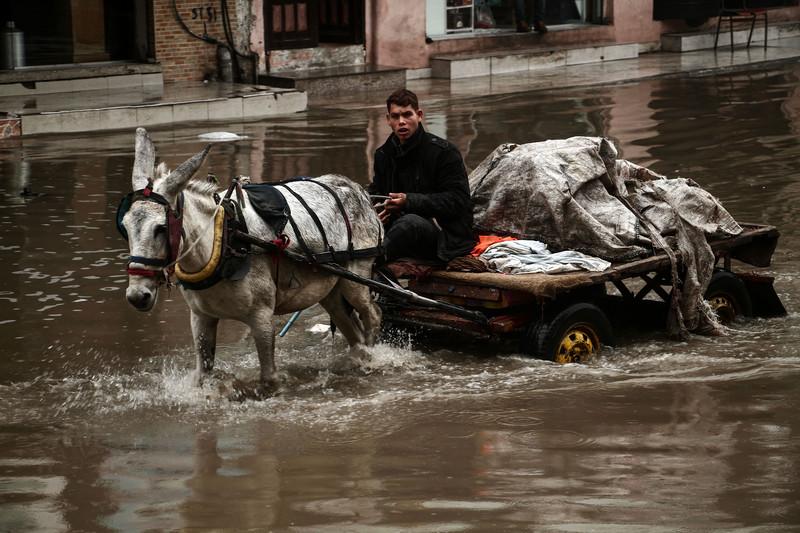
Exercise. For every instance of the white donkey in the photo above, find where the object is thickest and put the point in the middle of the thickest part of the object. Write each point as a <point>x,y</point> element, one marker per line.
<point>273,284</point>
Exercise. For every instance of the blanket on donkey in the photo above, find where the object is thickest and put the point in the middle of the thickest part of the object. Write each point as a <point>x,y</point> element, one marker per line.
<point>269,203</point>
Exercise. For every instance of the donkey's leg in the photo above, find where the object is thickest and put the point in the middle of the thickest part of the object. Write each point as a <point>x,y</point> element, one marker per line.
<point>263,330</point>
<point>341,313</point>
<point>204,331</point>
<point>360,297</point>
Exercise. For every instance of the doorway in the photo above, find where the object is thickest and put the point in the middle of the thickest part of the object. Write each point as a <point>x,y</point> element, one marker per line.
<point>60,32</point>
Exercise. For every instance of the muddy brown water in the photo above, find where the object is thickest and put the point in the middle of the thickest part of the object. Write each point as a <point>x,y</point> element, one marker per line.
<point>101,428</point>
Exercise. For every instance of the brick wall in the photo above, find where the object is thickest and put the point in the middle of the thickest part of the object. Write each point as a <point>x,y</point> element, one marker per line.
<point>182,56</point>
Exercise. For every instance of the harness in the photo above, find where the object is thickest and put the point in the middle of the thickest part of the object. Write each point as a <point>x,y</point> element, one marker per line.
<point>231,255</point>
<point>330,255</point>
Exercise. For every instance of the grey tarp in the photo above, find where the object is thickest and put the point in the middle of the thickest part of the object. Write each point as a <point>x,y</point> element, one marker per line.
<point>574,194</point>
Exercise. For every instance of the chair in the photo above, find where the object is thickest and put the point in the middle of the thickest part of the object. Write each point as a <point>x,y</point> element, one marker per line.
<point>732,11</point>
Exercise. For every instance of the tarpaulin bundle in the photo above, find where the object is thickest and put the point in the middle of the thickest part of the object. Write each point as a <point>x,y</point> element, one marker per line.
<point>575,194</point>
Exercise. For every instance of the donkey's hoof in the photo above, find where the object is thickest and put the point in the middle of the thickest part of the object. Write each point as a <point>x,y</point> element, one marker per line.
<point>205,377</point>
<point>267,390</point>
<point>353,361</point>
<point>241,391</point>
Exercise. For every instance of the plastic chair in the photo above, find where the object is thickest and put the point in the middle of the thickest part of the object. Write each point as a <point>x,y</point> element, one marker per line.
<point>732,11</point>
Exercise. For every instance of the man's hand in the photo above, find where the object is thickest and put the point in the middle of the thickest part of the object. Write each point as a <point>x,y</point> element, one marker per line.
<point>395,204</point>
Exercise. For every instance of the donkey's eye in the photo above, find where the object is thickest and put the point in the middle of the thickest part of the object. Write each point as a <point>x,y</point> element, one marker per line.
<point>159,230</point>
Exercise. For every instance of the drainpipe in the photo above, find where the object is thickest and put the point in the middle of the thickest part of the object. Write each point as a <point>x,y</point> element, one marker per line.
<point>205,38</point>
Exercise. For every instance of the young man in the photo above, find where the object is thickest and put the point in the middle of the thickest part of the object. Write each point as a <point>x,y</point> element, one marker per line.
<point>428,211</point>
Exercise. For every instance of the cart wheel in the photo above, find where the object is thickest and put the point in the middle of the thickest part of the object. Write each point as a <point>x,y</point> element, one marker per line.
<point>728,296</point>
<point>574,335</point>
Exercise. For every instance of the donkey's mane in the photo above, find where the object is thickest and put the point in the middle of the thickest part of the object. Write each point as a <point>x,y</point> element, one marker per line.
<point>194,185</point>
<point>201,187</point>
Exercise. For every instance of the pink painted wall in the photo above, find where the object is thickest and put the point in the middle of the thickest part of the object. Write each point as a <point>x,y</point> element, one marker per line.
<point>395,32</point>
<point>633,22</point>
<point>257,37</point>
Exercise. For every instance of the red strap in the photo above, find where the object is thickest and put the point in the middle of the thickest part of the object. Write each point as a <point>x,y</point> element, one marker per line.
<point>282,242</point>
<point>142,272</point>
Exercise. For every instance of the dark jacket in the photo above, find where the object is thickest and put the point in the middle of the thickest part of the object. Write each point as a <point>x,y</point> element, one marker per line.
<point>430,171</point>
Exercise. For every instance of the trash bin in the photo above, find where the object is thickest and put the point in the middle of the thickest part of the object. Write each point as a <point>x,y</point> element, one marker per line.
<point>12,47</point>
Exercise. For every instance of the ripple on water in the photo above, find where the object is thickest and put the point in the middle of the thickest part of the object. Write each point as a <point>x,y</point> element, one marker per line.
<point>546,438</point>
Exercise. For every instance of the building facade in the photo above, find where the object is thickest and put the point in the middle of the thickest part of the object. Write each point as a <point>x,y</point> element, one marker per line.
<point>239,40</point>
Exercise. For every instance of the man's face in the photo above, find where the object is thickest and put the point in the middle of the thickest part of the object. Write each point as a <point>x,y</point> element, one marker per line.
<point>404,121</point>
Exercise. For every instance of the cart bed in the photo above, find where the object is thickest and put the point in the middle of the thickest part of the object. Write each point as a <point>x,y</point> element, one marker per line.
<point>512,302</point>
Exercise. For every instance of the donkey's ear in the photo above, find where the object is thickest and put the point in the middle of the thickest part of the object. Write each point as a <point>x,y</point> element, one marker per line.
<point>144,163</point>
<point>178,178</point>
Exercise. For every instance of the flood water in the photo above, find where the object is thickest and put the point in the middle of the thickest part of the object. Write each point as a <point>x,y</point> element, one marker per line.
<point>102,429</point>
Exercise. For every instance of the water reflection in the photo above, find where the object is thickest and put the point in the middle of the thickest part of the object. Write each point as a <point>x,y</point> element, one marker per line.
<point>103,430</point>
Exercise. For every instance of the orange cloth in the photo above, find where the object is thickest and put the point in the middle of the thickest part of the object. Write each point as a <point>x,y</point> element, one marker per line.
<point>484,241</point>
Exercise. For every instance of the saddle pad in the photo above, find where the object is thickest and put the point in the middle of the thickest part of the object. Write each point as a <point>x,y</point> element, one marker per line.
<point>270,204</point>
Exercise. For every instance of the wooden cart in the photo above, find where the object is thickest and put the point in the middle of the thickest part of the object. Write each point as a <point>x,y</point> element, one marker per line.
<point>566,317</point>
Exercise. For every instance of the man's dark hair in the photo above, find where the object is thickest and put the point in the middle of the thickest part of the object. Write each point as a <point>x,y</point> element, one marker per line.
<point>402,98</point>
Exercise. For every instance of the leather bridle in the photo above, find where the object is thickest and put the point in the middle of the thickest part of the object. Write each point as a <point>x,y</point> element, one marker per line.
<point>163,267</point>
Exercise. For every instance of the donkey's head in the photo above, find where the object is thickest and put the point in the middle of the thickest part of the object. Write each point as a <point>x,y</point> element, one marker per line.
<point>151,218</point>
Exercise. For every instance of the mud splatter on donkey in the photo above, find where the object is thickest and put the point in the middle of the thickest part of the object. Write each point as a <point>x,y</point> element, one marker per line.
<point>174,223</point>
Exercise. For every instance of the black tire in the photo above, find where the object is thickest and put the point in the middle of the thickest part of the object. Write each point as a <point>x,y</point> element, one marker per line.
<point>573,335</point>
<point>728,297</point>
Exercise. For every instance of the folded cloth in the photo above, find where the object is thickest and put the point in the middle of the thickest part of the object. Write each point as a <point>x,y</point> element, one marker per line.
<point>526,257</point>
<point>484,241</point>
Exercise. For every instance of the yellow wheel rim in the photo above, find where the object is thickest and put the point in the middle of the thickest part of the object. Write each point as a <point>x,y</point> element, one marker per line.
<point>723,307</point>
<point>578,344</point>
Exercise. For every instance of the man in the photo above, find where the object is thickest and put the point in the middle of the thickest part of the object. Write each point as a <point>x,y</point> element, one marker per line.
<point>421,178</point>
<point>538,16</point>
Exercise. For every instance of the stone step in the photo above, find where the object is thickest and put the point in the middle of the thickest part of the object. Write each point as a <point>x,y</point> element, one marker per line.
<point>338,80</point>
<point>703,39</point>
<point>454,66</point>
<point>27,81</point>
<point>112,109</point>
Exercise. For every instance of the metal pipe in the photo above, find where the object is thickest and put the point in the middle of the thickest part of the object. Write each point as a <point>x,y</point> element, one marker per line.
<point>289,324</point>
